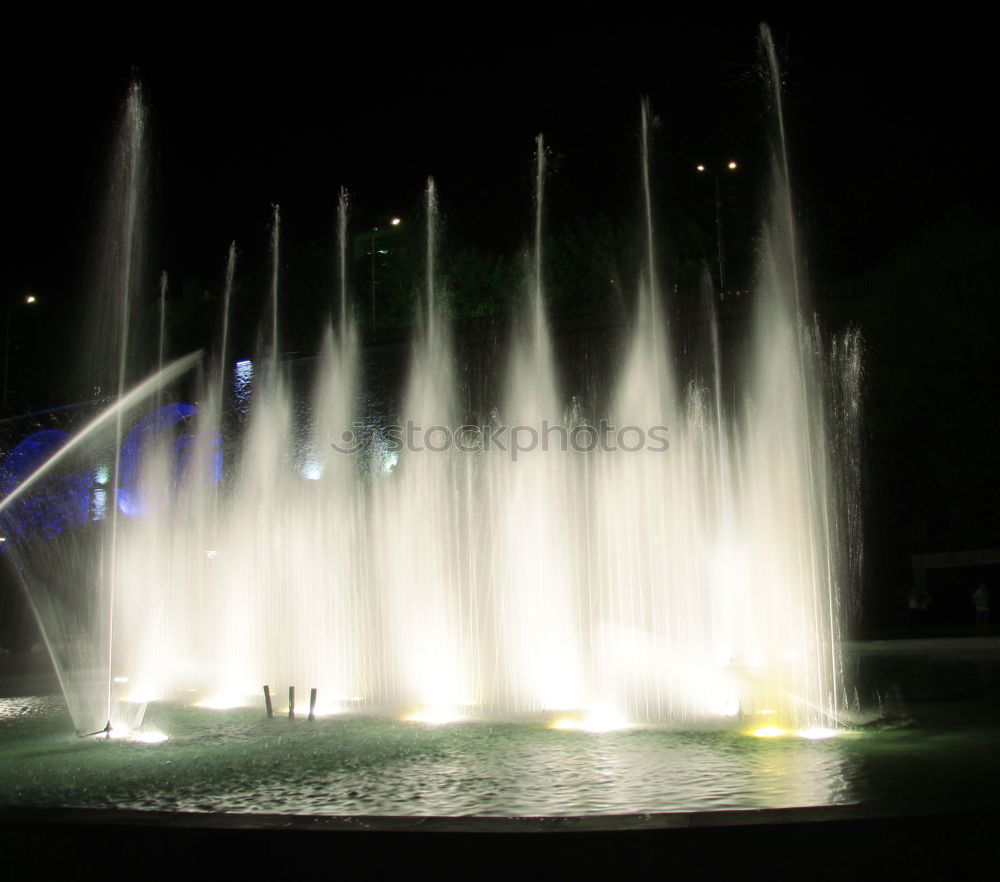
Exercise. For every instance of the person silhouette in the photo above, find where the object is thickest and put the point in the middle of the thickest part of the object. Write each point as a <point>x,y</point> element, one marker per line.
<point>981,601</point>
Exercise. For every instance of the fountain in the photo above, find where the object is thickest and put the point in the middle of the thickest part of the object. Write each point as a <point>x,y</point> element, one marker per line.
<point>694,568</point>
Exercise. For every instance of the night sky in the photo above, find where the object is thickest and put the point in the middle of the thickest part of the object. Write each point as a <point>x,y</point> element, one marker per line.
<point>891,130</point>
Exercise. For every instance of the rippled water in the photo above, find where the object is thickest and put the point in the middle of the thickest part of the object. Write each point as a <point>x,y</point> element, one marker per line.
<point>239,761</point>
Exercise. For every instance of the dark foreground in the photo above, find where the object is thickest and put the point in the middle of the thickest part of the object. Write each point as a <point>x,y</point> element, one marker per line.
<point>812,843</point>
<point>930,809</point>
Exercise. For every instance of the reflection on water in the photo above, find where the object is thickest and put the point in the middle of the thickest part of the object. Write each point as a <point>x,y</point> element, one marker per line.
<point>237,761</point>
<point>938,753</point>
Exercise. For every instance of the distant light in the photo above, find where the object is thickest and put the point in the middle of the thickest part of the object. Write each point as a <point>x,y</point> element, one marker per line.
<point>3,538</point>
<point>395,221</point>
<point>121,679</point>
<point>816,733</point>
<point>731,165</point>
<point>244,362</point>
<point>769,732</point>
<point>211,553</point>
<point>700,167</point>
<point>101,475</point>
<point>30,298</point>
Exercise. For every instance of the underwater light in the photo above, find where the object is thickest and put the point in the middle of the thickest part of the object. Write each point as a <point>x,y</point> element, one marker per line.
<point>816,733</point>
<point>153,736</point>
<point>769,732</point>
<point>597,721</point>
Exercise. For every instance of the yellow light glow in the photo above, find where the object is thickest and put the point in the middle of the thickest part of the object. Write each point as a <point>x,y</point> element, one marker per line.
<point>595,720</point>
<point>395,221</point>
<point>731,165</point>
<point>816,733</point>
<point>769,732</point>
<point>700,167</point>
<point>30,298</point>
<point>434,716</point>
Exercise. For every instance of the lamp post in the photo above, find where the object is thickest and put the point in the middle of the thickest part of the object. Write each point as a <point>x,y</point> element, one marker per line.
<point>731,166</point>
<point>26,299</point>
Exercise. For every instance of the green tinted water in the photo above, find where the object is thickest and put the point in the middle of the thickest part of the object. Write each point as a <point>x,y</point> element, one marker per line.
<point>239,761</point>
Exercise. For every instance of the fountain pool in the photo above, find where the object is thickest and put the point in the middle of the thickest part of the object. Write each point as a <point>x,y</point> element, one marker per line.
<point>237,761</point>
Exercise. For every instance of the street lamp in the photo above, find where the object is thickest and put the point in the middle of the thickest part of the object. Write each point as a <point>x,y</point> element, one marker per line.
<point>701,168</point>
<point>26,299</point>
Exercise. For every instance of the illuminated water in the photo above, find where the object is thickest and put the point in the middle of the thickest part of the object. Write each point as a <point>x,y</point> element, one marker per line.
<point>701,583</point>
<point>239,761</point>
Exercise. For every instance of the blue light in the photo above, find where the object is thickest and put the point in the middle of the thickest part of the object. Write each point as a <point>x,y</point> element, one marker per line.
<point>55,504</point>
<point>170,419</point>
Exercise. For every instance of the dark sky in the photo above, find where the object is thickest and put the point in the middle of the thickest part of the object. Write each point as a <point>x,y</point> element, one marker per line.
<point>890,127</point>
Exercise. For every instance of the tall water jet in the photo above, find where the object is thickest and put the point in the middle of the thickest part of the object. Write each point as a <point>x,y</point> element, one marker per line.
<point>646,508</point>
<point>343,206</point>
<point>786,499</point>
<point>227,294</point>
<point>129,262</point>
<point>415,513</point>
<point>162,337</point>
<point>538,618</point>
<point>275,264</point>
